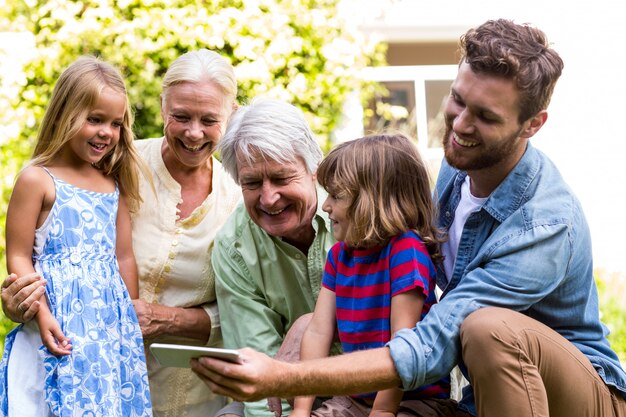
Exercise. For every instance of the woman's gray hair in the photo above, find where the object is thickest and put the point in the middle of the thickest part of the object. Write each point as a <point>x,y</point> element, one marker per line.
<point>268,129</point>
<point>202,65</point>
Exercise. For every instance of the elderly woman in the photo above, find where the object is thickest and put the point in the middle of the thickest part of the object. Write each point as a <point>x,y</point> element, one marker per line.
<point>174,229</point>
<point>270,254</point>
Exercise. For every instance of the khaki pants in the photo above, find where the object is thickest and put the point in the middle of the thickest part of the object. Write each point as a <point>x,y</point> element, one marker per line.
<point>520,367</point>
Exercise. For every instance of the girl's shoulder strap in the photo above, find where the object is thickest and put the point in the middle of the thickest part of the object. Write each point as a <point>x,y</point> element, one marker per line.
<point>54,179</point>
<point>47,170</point>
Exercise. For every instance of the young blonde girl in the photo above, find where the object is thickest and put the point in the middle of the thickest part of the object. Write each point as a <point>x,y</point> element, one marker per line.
<point>68,219</point>
<point>379,277</point>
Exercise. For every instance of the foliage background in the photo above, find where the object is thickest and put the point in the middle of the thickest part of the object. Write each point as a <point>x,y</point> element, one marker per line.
<point>612,290</point>
<point>302,51</point>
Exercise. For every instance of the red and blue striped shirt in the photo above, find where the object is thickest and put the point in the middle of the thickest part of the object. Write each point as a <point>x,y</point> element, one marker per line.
<point>365,280</point>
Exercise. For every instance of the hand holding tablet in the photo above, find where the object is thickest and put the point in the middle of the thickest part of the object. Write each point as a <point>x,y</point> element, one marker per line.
<point>180,355</point>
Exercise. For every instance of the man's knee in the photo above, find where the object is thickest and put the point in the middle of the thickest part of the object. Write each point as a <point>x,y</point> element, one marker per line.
<point>482,322</point>
<point>290,348</point>
<point>485,332</point>
<point>300,325</point>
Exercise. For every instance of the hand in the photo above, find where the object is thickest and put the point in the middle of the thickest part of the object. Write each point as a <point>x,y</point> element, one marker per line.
<point>146,315</point>
<point>52,336</point>
<point>255,377</point>
<point>20,296</point>
<point>275,404</point>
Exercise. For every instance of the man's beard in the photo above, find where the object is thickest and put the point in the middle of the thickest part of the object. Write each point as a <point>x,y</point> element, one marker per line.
<point>489,155</point>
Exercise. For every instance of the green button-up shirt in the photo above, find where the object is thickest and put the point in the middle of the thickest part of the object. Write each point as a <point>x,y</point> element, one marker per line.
<point>264,284</point>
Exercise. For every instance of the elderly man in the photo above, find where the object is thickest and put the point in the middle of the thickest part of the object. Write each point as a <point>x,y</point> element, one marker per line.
<point>270,254</point>
<point>519,309</point>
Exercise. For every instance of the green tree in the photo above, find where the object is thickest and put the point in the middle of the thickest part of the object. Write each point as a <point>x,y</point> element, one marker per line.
<point>301,51</point>
<point>612,290</point>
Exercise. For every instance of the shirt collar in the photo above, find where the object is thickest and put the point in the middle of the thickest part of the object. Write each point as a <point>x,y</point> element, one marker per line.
<point>321,219</point>
<point>511,193</point>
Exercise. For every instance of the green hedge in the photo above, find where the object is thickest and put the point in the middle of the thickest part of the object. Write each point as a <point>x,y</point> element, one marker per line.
<point>301,51</point>
<point>612,290</point>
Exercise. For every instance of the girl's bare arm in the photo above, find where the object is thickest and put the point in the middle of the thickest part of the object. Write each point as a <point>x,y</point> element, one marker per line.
<point>124,249</point>
<point>32,198</point>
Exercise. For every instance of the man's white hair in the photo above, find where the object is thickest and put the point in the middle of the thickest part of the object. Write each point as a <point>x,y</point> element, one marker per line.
<point>269,129</point>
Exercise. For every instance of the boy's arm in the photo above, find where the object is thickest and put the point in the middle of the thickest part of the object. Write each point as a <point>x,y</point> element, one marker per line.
<point>124,249</point>
<point>316,342</point>
<point>406,310</point>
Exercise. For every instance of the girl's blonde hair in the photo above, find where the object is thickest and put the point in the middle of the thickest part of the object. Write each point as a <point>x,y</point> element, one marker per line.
<point>75,94</point>
<point>387,184</point>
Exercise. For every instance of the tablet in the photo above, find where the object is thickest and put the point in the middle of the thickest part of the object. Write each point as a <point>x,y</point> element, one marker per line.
<point>180,356</point>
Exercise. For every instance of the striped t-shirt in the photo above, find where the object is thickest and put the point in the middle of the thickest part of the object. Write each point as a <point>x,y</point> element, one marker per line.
<point>365,280</point>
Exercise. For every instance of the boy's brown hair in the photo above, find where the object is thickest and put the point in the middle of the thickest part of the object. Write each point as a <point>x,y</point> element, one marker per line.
<point>387,184</point>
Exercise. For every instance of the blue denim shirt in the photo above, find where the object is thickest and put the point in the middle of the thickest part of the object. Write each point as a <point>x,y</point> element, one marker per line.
<point>528,249</point>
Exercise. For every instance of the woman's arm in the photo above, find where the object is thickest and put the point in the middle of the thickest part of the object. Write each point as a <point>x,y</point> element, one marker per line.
<point>124,249</point>
<point>316,342</point>
<point>157,319</point>
<point>406,310</point>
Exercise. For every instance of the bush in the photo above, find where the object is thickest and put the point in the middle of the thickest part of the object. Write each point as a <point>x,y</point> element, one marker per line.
<point>301,51</point>
<point>612,290</point>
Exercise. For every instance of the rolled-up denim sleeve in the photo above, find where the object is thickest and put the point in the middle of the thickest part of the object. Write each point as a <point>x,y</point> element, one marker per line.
<point>429,351</point>
<point>515,271</point>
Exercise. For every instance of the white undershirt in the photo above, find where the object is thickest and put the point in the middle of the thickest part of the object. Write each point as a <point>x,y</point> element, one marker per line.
<point>468,205</point>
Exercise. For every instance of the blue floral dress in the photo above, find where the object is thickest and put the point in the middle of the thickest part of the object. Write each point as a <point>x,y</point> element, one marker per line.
<point>105,375</point>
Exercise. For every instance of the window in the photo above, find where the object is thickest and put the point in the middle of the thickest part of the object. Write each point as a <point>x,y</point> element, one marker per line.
<point>413,104</point>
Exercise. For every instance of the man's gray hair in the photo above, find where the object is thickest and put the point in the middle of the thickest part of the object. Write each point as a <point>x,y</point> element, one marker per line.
<point>268,129</point>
